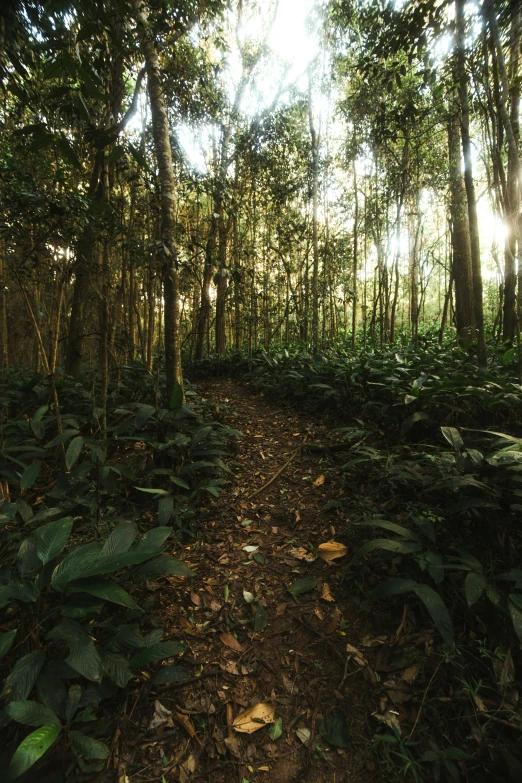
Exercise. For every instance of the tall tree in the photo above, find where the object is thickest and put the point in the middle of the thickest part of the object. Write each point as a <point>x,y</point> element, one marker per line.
<point>163,150</point>
<point>476,262</point>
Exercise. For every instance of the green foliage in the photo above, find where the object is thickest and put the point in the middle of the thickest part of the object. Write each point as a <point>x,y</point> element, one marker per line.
<point>80,589</point>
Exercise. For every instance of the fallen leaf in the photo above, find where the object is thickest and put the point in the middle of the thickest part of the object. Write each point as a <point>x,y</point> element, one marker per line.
<point>333,622</point>
<point>318,613</point>
<point>304,735</point>
<point>229,641</point>
<point>299,552</point>
<point>359,657</point>
<point>390,718</point>
<point>297,515</point>
<point>326,593</point>
<point>332,550</point>
<point>184,722</point>
<point>230,667</point>
<point>398,697</point>
<point>249,597</point>
<point>319,481</point>
<point>233,745</point>
<point>187,768</point>
<point>196,600</point>
<point>410,674</point>
<point>215,606</point>
<point>254,718</point>
<point>161,716</point>
<point>288,685</point>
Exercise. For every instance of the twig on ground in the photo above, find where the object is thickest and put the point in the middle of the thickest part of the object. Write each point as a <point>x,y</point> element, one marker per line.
<point>275,476</point>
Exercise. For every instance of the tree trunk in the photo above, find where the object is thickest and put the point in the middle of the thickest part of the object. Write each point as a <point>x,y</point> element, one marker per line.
<point>355,249</point>
<point>314,139</point>
<point>460,240</point>
<point>470,187</point>
<point>510,86</point>
<point>160,132</point>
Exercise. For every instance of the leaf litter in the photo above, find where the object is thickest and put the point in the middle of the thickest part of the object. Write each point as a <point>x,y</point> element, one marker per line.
<point>272,644</point>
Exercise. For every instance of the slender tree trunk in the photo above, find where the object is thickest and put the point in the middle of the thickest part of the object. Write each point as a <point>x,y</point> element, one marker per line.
<point>509,88</point>
<point>314,138</point>
<point>355,251</point>
<point>161,135</point>
<point>460,239</point>
<point>470,187</point>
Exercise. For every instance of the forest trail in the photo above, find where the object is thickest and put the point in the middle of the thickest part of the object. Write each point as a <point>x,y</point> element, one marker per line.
<point>297,659</point>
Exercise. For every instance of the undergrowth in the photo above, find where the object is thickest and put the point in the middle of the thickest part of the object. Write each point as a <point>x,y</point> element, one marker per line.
<point>90,516</point>
<point>431,461</point>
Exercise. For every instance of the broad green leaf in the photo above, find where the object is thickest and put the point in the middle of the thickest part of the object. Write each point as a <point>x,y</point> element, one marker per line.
<point>260,618</point>
<point>27,560</point>
<point>52,691</point>
<point>393,587</point>
<point>88,747</point>
<point>32,748</point>
<point>40,413</point>
<point>452,435</point>
<point>6,641</point>
<point>515,611</point>
<point>474,586</point>
<point>276,730</point>
<point>304,585</point>
<point>85,659</point>
<point>165,508</point>
<point>400,529</point>
<point>127,637</point>
<point>154,538</point>
<point>176,398</point>
<point>437,609</point>
<point>80,566</point>
<point>163,565</point>
<point>30,475</point>
<point>117,668</point>
<point>73,701</point>
<point>409,421</point>
<point>157,652</point>
<point>388,544</point>
<point>334,728</point>
<point>21,679</point>
<point>153,491</point>
<point>102,588</point>
<point>61,438</point>
<point>73,451</point>
<point>166,674</point>
<point>121,539</point>
<point>180,482</point>
<point>52,538</point>
<point>31,713</point>
<point>144,413</point>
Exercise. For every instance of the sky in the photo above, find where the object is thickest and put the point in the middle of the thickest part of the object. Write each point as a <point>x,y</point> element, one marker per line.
<point>293,46</point>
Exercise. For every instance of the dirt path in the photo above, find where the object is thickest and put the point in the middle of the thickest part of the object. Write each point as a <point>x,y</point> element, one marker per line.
<point>251,639</point>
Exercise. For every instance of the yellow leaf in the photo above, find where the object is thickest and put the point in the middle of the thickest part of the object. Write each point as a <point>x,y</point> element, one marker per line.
<point>332,550</point>
<point>326,593</point>
<point>319,481</point>
<point>254,718</point>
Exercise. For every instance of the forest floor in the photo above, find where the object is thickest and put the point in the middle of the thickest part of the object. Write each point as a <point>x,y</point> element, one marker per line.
<point>310,652</point>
